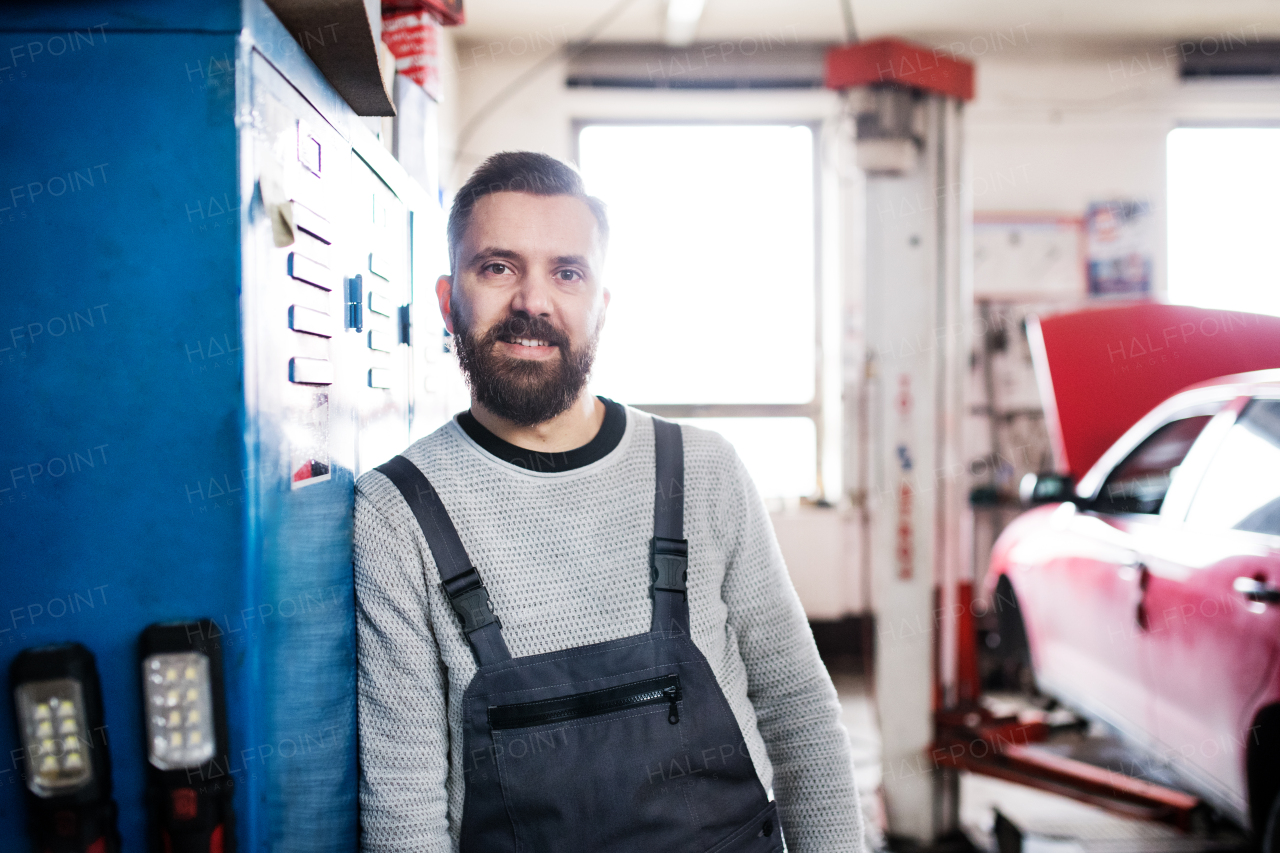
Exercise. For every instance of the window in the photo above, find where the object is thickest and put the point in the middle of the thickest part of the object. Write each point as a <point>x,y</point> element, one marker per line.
<point>1241,488</point>
<point>1223,218</point>
<point>1140,482</point>
<point>757,440</point>
<point>712,271</point>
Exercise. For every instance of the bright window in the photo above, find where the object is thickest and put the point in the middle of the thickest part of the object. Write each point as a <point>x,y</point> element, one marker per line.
<point>1223,218</point>
<point>777,473</point>
<point>711,268</point>
<point>710,262</point>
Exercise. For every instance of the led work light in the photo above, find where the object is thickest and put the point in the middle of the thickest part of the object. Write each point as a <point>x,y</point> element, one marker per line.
<point>189,787</point>
<point>58,708</point>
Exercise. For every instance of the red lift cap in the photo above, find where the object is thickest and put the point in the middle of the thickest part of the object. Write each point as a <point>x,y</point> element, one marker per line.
<point>890,60</point>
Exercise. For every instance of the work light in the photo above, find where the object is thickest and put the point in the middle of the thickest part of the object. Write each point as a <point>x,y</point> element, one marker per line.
<point>58,708</point>
<point>188,780</point>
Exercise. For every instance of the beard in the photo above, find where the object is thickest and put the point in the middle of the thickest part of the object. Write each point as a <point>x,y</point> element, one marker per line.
<point>523,391</point>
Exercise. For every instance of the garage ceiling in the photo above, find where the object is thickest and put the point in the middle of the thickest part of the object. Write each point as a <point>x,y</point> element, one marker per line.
<point>1047,23</point>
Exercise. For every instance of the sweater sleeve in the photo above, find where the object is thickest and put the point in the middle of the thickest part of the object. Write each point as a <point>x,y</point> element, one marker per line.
<point>798,714</point>
<point>404,735</point>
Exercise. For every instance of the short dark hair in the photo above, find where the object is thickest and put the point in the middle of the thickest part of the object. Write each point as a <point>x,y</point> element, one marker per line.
<point>518,172</point>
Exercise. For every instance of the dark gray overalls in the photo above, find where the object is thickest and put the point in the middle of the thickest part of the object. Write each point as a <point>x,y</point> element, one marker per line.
<point>626,745</point>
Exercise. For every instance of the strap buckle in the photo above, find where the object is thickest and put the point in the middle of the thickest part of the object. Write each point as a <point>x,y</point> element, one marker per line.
<point>668,564</point>
<point>470,601</point>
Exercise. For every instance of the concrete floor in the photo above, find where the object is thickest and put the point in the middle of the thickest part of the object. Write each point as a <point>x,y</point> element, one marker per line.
<point>859,717</point>
<point>1053,824</point>
<point>1049,823</point>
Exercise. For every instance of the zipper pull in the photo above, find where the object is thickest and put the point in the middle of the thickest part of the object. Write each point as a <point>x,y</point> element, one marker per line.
<point>673,715</point>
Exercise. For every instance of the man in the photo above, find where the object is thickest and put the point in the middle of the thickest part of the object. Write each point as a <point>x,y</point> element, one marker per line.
<point>608,655</point>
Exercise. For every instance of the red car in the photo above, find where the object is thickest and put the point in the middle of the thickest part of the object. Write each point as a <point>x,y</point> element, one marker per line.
<point>1149,591</point>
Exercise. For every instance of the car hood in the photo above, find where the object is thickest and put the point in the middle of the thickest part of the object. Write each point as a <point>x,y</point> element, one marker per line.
<point>1101,369</point>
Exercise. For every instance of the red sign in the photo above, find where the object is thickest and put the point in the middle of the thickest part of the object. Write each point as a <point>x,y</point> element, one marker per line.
<point>415,40</point>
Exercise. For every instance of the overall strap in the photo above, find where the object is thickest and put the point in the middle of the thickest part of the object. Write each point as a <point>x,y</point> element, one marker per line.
<point>462,583</point>
<point>669,550</point>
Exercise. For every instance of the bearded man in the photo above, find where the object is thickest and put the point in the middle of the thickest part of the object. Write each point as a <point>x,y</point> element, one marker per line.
<point>576,630</point>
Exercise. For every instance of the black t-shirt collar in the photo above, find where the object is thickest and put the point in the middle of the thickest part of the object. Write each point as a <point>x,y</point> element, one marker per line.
<point>610,434</point>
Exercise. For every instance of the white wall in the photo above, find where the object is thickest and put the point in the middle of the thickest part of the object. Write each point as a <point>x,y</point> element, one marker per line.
<point>539,117</point>
<point>1052,129</point>
<point>1053,135</point>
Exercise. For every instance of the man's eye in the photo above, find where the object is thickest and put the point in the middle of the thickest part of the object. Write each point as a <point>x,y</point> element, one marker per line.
<point>569,275</point>
<point>496,269</point>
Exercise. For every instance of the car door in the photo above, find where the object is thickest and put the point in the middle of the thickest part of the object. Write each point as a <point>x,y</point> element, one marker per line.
<point>1094,585</point>
<point>1213,640</point>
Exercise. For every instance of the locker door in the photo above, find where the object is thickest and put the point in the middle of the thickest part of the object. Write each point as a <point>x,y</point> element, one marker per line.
<point>381,224</point>
<point>296,734</point>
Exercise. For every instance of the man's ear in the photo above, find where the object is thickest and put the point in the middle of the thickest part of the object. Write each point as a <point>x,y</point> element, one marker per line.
<point>444,294</point>
<point>604,310</point>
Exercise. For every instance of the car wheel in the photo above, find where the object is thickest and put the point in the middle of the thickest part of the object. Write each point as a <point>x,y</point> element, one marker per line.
<point>1014,651</point>
<point>1271,834</point>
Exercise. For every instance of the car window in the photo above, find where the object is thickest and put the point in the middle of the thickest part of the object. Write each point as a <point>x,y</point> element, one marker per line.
<point>1241,487</point>
<point>1140,482</point>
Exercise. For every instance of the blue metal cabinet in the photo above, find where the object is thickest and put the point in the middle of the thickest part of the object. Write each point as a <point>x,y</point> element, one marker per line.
<point>190,384</point>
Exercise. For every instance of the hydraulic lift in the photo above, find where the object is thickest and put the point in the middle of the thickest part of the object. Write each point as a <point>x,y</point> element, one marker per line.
<point>909,316</point>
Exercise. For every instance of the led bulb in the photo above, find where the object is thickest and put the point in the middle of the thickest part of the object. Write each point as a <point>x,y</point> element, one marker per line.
<point>55,764</point>
<point>182,735</point>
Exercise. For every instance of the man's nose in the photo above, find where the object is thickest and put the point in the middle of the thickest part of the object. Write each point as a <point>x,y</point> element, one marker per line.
<point>533,296</point>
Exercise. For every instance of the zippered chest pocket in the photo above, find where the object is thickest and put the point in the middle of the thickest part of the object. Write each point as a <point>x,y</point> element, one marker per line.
<point>590,771</point>
<point>664,690</point>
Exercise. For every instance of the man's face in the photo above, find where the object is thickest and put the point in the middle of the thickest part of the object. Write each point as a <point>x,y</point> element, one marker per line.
<point>525,303</point>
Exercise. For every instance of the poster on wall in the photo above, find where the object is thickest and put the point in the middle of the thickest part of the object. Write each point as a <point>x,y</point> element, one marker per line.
<point>1027,256</point>
<point>1119,245</point>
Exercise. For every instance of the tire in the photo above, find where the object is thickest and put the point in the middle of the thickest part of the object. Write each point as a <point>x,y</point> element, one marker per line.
<point>1271,833</point>
<point>1015,652</point>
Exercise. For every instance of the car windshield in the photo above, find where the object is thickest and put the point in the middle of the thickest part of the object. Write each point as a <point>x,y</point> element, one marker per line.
<point>1140,482</point>
<point>1241,488</point>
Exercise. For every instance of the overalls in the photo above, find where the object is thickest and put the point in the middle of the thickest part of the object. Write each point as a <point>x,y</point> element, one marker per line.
<point>626,745</point>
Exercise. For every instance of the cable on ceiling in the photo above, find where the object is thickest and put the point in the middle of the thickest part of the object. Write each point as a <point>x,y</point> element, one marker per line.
<point>850,32</point>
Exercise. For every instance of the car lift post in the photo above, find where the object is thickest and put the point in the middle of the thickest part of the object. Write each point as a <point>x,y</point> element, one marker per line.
<point>908,204</point>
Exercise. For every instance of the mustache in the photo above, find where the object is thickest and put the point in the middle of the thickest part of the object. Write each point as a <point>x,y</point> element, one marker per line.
<point>523,391</point>
<point>527,326</point>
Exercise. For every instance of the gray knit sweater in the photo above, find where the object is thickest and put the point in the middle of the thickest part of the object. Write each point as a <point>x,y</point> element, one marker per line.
<point>565,558</point>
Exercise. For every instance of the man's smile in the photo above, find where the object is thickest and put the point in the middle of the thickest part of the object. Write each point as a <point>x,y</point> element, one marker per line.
<point>528,348</point>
